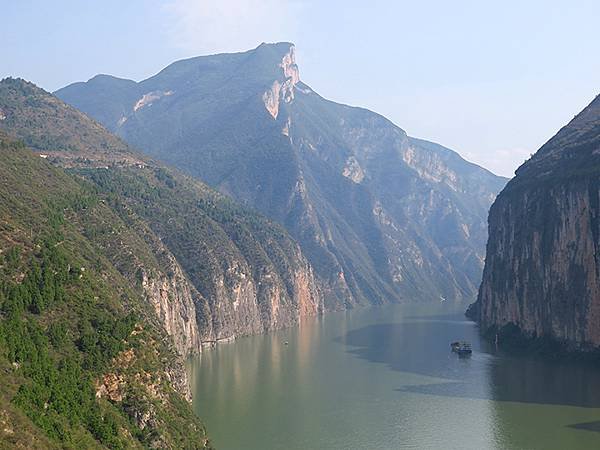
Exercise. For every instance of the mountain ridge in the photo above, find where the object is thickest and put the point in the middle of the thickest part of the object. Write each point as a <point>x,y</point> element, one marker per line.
<point>234,266</point>
<point>245,124</point>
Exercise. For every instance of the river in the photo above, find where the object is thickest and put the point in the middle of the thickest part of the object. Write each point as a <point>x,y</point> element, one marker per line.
<point>384,378</point>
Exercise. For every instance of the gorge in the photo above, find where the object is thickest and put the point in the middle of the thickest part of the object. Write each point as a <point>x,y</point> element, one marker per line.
<point>223,198</point>
<point>194,266</point>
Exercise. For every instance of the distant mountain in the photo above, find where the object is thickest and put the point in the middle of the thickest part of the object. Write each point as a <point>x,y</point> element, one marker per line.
<point>380,215</point>
<point>542,274</point>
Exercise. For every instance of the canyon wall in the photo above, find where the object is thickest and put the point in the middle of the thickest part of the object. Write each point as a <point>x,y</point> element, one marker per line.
<point>542,273</point>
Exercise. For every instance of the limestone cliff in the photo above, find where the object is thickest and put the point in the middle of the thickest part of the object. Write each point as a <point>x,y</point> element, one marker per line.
<point>174,300</point>
<point>283,90</point>
<point>542,272</point>
<point>243,301</point>
<point>223,271</point>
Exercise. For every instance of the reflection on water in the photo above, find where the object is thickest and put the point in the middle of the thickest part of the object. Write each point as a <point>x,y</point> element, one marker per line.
<point>485,375</point>
<point>385,378</point>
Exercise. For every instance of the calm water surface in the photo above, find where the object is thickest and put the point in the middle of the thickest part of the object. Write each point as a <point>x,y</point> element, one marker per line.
<point>386,379</point>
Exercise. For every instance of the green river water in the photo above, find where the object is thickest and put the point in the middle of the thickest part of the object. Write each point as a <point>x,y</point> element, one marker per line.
<point>385,378</point>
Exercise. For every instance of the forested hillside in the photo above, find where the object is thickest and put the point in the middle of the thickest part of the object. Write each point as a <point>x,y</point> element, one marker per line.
<point>84,362</point>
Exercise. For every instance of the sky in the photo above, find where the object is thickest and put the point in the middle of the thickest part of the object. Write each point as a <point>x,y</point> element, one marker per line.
<point>491,80</point>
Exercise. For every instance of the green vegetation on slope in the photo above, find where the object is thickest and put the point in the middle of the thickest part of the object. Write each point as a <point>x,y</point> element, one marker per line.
<point>157,247</point>
<point>184,212</point>
<point>83,363</point>
<point>26,110</point>
<point>229,253</point>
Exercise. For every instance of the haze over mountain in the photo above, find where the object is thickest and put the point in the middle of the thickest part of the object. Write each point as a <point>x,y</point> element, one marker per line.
<point>380,215</point>
<point>541,273</point>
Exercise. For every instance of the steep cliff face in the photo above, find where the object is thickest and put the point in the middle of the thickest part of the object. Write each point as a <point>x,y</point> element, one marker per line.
<point>380,216</point>
<point>147,263</point>
<point>283,91</point>
<point>243,303</point>
<point>240,273</point>
<point>174,300</point>
<point>541,272</point>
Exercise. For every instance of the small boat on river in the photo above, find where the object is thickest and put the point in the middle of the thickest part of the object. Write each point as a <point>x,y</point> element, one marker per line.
<point>462,348</point>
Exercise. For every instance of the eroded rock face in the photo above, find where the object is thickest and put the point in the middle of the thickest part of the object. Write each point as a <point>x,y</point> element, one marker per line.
<point>271,99</point>
<point>430,167</point>
<point>283,90</point>
<point>174,301</point>
<point>353,171</point>
<point>541,270</point>
<point>243,303</point>
<point>150,97</point>
<point>427,206</point>
<point>542,273</point>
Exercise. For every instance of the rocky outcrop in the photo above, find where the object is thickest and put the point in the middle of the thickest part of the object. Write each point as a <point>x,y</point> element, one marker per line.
<point>149,98</point>
<point>283,90</point>
<point>242,298</point>
<point>353,171</point>
<point>174,300</point>
<point>271,99</point>
<point>542,274</point>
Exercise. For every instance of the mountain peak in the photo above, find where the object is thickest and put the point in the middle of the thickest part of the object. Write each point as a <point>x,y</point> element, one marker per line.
<point>570,151</point>
<point>283,90</point>
<point>19,84</point>
<point>276,50</point>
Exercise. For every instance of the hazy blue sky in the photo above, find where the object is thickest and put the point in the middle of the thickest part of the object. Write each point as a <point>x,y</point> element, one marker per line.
<point>492,80</point>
